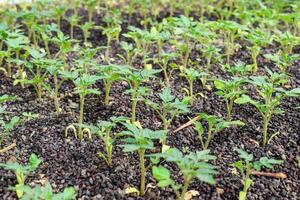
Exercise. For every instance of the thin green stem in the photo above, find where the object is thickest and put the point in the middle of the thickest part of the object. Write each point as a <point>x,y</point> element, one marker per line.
<point>229,105</point>
<point>185,188</point>
<point>134,104</point>
<point>107,93</point>
<point>80,134</point>
<point>56,91</point>
<point>143,171</point>
<point>209,138</point>
<point>265,131</point>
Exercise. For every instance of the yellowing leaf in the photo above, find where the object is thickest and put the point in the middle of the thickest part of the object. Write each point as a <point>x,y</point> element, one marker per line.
<point>190,194</point>
<point>131,190</point>
<point>165,148</point>
<point>138,124</point>
<point>150,185</point>
<point>148,66</point>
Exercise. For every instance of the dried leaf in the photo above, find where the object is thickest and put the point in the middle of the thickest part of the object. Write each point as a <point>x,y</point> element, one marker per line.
<point>165,148</point>
<point>131,190</point>
<point>190,194</point>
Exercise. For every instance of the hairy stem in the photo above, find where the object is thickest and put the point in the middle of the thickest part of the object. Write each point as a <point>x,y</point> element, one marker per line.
<point>56,99</point>
<point>209,138</point>
<point>185,188</point>
<point>265,130</point>
<point>143,171</point>
<point>80,134</point>
<point>134,104</point>
<point>229,105</point>
<point>107,92</point>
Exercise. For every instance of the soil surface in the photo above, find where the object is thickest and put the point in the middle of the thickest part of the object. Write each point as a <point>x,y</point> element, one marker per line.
<point>68,162</point>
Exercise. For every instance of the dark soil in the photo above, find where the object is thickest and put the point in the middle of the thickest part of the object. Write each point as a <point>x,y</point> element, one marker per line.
<point>68,162</point>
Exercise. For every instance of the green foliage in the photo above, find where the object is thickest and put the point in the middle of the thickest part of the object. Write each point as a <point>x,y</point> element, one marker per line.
<point>268,87</point>
<point>229,90</point>
<point>4,125</point>
<point>258,39</point>
<point>47,193</point>
<point>110,74</point>
<point>22,171</point>
<point>282,60</point>
<point>215,125</point>
<point>86,28</point>
<point>103,132</point>
<point>135,78</point>
<point>169,108</point>
<point>191,75</point>
<point>192,166</point>
<point>83,85</point>
<point>239,69</point>
<point>246,164</point>
<point>140,140</point>
<point>90,5</point>
<point>37,67</point>
<point>287,41</point>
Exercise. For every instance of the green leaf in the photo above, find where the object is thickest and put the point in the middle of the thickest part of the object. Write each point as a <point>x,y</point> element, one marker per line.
<point>130,147</point>
<point>243,99</point>
<point>266,162</point>
<point>207,178</point>
<point>34,161</point>
<point>243,154</point>
<point>160,173</point>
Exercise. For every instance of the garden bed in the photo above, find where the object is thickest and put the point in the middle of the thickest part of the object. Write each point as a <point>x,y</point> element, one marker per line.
<point>68,161</point>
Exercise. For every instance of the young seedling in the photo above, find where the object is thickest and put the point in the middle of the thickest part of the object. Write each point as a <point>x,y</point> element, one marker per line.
<point>246,166</point>
<point>7,126</point>
<point>239,69</point>
<point>164,63</point>
<point>272,94</point>
<point>85,61</point>
<point>15,43</point>
<point>231,31</point>
<point>22,171</point>
<point>170,108</point>
<point>73,20</point>
<point>186,34</point>
<point>135,78</point>
<point>47,193</point>
<point>191,166</point>
<point>91,7</point>
<point>4,32</point>
<point>229,90</point>
<point>103,130</point>
<point>83,85</point>
<point>59,11</point>
<point>30,19</point>
<point>258,39</point>
<point>65,46</point>
<point>142,40</point>
<point>140,140</point>
<point>287,41</point>
<point>211,53</point>
<point>112,33</point>
<point>160,36</point>
<point>215,125</point>
<point>130,51</point>
<point>55,69</point>
<point>86,28</point>
<point>45,33</point>
<point>191,75</point>
<point>110,74</point>
<point>283,61</point>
